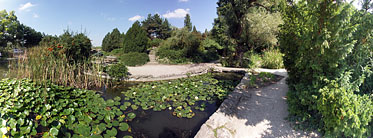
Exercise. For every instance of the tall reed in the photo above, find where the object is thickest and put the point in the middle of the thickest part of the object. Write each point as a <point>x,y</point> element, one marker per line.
<point>43,65</point>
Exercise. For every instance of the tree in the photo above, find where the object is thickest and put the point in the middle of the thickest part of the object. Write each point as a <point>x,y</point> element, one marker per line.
<point>8,27</point>
<point>156,27</point>
<point>112,41</point>
<point>27,36</point>
<point>136,39</point>
<point>165,30</point>
<point>187,23</point>
<point>105,43</point>
<point>237,16</point>
<point>194,29</point>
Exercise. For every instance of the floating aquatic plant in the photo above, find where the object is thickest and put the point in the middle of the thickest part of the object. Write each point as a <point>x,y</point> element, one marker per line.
<point>179,95</point>
<point>29,109</point>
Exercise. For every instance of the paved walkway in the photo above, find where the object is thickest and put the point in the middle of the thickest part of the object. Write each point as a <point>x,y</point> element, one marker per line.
<point>253,113</point>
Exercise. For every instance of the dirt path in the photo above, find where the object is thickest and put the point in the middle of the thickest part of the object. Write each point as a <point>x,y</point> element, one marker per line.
<point>253,113</point>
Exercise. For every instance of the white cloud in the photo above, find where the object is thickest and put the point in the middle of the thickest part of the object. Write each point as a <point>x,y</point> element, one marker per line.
<point>178,13</point>
<point>183,0</point>
<point>26,7</point>
<point>135,18</point>
<point>35,15</point>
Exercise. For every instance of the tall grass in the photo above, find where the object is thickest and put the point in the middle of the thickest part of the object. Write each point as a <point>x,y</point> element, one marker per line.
<point>272,59</point>
<point>40,64</point>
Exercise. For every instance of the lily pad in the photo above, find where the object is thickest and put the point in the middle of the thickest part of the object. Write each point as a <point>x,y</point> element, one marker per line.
<point>123,126</point>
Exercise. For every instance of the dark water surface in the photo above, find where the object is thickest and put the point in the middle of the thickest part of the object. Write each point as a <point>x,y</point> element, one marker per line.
<point>162,124</point>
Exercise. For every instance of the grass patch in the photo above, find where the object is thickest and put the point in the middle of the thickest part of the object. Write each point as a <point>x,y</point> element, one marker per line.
<point>262,79</point>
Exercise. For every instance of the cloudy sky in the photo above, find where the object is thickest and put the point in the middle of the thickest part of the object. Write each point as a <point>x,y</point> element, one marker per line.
<point>98,17</point>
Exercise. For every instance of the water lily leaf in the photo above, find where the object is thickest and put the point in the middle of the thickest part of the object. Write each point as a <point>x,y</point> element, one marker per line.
<point>21,121</point>
<point>127,136</point>
<point>109,125</point>
<point>71,119</point>
<point>110,102</point>
<point>68,111</point>
<point>123,108</point>
<point>33,132</point>
<point>115,123</point>
<point>83,129</point>
<point>127,104</point>
<point>123,126</point>
<point>117,99</point>
<point>96,136</point>
<point>134,107</point>
<point>131,115</point>
<point>43,123</point>
<point>53,131</point>
<point>112,132</point>
<point>119,113</point>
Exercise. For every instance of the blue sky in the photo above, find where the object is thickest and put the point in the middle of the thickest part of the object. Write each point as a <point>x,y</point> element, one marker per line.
<point>98,17</point>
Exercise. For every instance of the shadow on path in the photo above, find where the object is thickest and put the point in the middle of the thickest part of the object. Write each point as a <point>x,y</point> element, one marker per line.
<point>254,113</point>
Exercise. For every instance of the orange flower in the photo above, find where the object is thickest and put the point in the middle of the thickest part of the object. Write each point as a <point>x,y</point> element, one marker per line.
<point>59,46</point>
<point>50,49</point>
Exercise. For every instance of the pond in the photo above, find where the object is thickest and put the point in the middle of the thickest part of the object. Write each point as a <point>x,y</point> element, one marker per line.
<point>163,124</point>
<point>4,68</point>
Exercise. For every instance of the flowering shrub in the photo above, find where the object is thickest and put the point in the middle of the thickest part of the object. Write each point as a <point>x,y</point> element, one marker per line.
<point>74,47</point>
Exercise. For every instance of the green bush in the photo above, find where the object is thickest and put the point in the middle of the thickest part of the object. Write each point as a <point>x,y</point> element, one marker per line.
<point>253,59</point>
<point>117,71</point>
<point>155,42</point>
<point>327,62</point>
<point>272,59</point>
<point>182,47</point>
<point>134,59</point>
<point>75,47</point>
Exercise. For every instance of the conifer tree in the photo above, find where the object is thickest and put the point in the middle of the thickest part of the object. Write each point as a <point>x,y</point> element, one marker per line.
<point>136,39</point>
<point>112,41</point>
<point>188,23</point>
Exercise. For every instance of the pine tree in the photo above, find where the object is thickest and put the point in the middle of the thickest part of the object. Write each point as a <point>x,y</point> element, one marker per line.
<point>188,23</point>
<point>136,39</point>
<point>105,43</point>
<point>156,27</point>
<point>165,30</point>
<point>194,29</point>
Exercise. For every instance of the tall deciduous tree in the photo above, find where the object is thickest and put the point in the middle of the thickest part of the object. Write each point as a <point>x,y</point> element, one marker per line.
<point>136,39</point>
<point>187,23</point>
<point>8,27</point>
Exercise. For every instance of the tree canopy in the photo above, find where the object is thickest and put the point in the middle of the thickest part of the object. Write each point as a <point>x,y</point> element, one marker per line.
<point>136,39</point>
<point>112,41</point>
<point>157,27</point>
<point>243,23</point>
<point>15,33</point>
<point>188,23</point>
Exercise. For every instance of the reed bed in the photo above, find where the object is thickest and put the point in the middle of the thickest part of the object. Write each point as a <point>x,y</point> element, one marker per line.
<point>40,64</point>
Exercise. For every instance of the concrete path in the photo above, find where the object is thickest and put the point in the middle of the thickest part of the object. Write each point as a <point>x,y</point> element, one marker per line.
<point>253,113</point>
